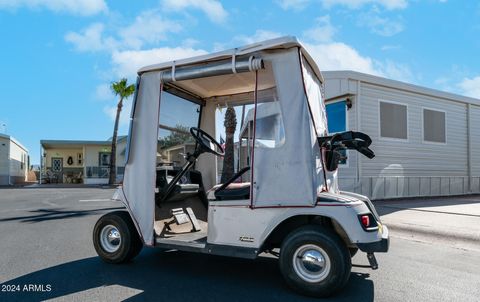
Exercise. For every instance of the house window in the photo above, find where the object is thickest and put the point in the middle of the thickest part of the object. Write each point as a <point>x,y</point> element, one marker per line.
<point>393,120</point>
<point>337,122</point>
<point>434,129</point>
<point>104,159</point>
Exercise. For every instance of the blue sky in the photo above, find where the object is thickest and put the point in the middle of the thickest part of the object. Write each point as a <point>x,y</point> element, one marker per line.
<point>58,57</point>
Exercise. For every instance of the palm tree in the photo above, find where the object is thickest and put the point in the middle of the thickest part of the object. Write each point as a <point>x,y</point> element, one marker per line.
<point>123,90</point>
<point>230,124</point>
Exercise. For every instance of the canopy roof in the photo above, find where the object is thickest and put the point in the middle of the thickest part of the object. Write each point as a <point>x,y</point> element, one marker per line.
<point>273,44</point>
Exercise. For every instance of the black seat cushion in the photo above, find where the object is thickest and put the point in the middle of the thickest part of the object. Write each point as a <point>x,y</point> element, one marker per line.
<point>233,191</point>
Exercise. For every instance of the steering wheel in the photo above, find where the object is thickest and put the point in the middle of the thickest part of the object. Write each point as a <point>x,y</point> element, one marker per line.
<point>206,142</point>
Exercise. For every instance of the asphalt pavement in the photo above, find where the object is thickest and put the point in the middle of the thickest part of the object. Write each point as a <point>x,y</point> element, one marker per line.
<point>46,252</point>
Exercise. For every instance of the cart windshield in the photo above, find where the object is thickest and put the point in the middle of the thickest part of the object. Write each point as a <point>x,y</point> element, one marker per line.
<point>177,116</point>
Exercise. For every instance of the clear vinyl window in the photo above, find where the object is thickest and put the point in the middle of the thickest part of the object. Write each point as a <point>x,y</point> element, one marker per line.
<point>177,116</point>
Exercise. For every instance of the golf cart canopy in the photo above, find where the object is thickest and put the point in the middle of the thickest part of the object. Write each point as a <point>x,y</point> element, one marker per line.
<point>285,84</point>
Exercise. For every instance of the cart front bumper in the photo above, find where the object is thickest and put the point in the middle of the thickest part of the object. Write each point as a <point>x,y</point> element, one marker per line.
<point>380,246</point>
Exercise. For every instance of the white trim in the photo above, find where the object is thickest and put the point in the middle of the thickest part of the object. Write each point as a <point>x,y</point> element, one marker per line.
<point>346,164</point>
<point>469,146</point>
<point>386,138</point>
<point>402,86</point>
<point>423,126</point>
<point>358,119</point>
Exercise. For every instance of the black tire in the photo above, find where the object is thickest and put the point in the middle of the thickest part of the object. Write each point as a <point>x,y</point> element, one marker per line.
<point>353,251</point>
<point>130,244</point>
<point>329,243</point>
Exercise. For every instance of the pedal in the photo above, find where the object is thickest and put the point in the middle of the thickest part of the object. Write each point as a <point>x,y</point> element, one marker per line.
<point>193,220</point>
<point>372,260</point>
<point>180,216</point>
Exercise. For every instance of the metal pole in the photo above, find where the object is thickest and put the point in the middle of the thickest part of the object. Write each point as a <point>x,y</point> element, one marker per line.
<point>211,69</point>
<point>41,164</point>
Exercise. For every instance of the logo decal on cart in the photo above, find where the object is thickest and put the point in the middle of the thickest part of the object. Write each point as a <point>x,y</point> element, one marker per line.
<point>246,239</point>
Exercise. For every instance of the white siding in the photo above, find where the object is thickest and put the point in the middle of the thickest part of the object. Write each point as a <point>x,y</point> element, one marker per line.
<point>4,162</point>
<point>347,174</point>
<point>91,155</point>
<point>414,157</point>
<point>18,161</point>
<point>414,167</point>
<point>64,154</point>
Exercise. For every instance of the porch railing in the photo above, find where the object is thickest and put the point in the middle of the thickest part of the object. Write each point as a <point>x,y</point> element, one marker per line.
<point>101,172</point>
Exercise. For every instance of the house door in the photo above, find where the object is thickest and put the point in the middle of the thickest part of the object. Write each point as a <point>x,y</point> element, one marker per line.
<point>57,167</point>
<point>57,164</point>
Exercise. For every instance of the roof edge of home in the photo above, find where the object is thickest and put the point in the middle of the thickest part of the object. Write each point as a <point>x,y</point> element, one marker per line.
<point>382,81</point>
<point>73,142</point>
<point>14,140</point>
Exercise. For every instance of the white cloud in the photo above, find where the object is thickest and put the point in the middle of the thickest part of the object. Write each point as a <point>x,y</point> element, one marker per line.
<point>241,40</point>
<point>471,87</point>
<point>126,63</point>
<point>103,92</point>
<point>91,39</point>
<point>76,7</point>
<point>149,27</point>
<point>340,56</point>
<point>323,31</point>
<point>396,71</point>
<point>330,54</point>
<point>260,35</point>
<point>354,4</point>
<point>111,112</point>
<point>212,8</point>
<point>296,5</point>
<point>381,25</point>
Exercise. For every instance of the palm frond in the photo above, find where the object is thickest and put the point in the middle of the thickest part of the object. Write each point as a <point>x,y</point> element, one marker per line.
<point>122,89</point>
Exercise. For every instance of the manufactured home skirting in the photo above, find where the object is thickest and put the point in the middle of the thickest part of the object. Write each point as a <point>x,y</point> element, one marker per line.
<point>411,186</point>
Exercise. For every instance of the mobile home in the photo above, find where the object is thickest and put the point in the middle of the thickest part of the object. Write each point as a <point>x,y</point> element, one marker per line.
<point>425,140</point>
<point>14,161</point>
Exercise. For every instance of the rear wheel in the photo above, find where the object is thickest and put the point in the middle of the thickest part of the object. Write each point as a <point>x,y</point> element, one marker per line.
<point>314,261</point>
<point>115,237</point>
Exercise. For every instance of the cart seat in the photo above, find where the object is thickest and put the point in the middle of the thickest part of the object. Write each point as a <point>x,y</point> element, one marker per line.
<point>234,191</point>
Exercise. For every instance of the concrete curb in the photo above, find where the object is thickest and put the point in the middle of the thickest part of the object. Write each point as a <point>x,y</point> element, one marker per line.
<point>431,232</point>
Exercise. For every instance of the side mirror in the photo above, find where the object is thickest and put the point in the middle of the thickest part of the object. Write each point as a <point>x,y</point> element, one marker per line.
<point>332,158</point>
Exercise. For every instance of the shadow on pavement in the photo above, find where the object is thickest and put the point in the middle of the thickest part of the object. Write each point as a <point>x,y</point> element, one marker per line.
<point>385,207</point>
<point>54,214</point>
<point>176,276</point>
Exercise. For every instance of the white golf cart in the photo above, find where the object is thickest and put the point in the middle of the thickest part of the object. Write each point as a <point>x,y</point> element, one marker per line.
<point>283,197</point>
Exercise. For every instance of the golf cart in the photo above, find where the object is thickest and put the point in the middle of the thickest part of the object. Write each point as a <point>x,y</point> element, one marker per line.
<point>279,193</point>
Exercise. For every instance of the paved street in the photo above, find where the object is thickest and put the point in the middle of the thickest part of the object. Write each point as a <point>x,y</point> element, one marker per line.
<point>45,237</point>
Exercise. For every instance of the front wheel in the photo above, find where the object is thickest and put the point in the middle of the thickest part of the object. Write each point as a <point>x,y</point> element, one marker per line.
<point>314,261</point>
<point>115,237</point>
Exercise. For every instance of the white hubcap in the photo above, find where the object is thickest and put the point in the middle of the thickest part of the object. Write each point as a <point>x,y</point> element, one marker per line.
<point>110,238</point>
<point>311,263</point>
